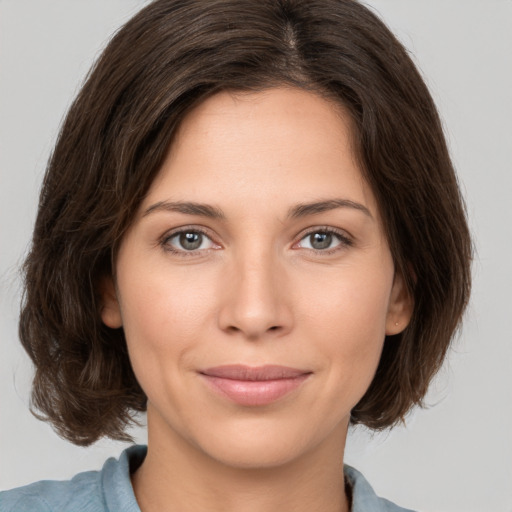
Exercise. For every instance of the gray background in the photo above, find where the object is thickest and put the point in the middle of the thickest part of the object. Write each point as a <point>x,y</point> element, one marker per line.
<point>454,456</point>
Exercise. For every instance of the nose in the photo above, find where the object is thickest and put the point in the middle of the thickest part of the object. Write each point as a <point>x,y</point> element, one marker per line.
<point>255,301</point>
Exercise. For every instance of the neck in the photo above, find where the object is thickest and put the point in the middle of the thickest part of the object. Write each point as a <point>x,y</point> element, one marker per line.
<point>179,476</point>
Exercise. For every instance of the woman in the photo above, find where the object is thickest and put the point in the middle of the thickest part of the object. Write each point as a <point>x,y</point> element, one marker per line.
<point>250,227</point>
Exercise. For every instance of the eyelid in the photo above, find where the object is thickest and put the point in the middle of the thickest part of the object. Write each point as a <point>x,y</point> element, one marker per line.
<point>164,239</point>
<point>345,239</point>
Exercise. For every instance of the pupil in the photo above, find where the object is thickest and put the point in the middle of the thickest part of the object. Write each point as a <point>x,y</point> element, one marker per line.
<point>321,240</point>
<point>190,241</point>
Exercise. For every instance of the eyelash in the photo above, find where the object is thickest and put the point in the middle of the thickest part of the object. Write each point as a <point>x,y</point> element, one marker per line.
<point>184,253</point>
<point>344,240</point>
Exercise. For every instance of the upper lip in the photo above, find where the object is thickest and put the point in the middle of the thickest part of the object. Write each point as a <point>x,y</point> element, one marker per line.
<point>253,373</point>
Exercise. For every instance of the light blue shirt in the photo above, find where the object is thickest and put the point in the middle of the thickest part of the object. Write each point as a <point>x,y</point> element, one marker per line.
<point>110,490</point>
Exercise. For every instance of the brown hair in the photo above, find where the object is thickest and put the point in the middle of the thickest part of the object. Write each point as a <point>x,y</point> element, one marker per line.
<point>169,57</point>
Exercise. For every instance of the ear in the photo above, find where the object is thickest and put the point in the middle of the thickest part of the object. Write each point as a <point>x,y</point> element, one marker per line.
<point>109,308</point>
<point>401,306</point>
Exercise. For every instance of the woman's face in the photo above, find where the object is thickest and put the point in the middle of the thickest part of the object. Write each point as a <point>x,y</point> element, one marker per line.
<point>255,286</point>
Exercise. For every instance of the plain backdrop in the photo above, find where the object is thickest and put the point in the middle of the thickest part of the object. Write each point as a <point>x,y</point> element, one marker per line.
<point>454,456</point>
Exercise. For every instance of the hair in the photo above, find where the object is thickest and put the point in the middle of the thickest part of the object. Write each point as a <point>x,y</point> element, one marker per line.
<point>169,57</point>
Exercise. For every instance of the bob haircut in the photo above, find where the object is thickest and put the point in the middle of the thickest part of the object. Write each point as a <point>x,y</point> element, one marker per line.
<point>172,55</point>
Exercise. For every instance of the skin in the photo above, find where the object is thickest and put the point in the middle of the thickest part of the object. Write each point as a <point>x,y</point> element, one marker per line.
<point>255,292</point>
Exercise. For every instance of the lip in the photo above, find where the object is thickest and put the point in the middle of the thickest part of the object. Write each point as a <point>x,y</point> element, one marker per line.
<point>254,386</point>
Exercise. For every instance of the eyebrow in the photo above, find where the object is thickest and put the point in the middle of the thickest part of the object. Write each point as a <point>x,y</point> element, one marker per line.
<point>313,208</point>
<point>298,211</point>
<point>186,207</point>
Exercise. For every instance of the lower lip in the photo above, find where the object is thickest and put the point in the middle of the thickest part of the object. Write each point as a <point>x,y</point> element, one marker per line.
<point>254,393</point>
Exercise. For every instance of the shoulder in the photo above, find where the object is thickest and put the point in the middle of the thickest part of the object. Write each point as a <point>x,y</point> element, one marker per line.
<point>81,493</point>
<point>92,491</point>
<point>364,498</point>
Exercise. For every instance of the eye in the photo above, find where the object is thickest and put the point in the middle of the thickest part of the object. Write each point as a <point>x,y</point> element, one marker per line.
<point>190,240</point>
<point>326,240</point>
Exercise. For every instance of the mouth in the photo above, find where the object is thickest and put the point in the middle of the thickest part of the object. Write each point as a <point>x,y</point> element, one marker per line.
<point>254,386</point>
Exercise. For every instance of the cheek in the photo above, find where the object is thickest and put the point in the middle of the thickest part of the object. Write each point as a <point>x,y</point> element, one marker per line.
<point>159,305</point>
<point>353,302</point>
<point>346,316</point>
<point>163,317</point>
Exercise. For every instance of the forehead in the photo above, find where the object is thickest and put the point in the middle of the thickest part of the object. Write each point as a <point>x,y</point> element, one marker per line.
<point>268,119</point>
<point>275,146</point>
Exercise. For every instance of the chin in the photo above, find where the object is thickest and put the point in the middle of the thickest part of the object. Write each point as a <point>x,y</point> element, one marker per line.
<point>269,444</point>
<point>255,455</point>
